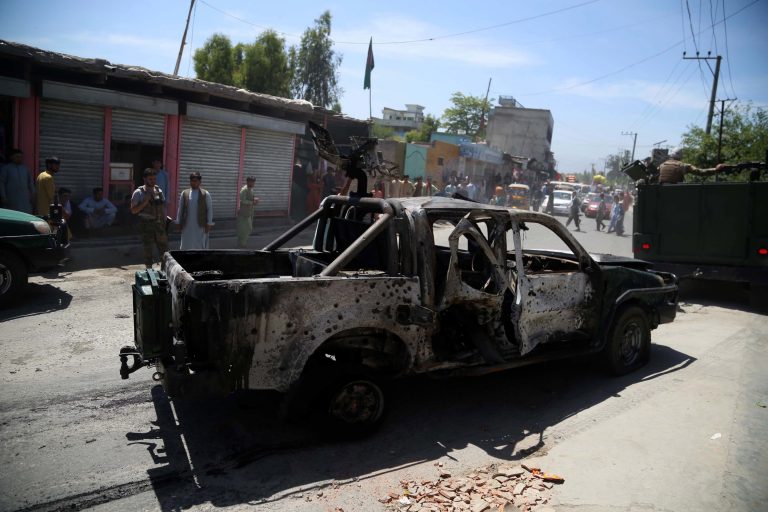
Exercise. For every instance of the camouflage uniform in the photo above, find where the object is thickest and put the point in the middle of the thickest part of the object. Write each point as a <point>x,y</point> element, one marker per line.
<point>674,171</point>
<point>152,224</point>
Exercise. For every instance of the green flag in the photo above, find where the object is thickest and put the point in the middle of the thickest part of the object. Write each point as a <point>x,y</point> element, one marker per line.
<point>368,66</point>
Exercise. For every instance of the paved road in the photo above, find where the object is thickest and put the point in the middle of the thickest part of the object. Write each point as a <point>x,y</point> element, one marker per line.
<point>76,436</point>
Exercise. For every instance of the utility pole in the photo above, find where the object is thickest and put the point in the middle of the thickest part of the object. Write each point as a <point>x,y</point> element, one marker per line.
<point>634,143</point>
<point>183,39</point>
<point>714,84</point>
<point>482,114</point>
<point>720,136</point>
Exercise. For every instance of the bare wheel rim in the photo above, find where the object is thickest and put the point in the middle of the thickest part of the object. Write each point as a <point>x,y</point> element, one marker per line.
<point>6,279</point>
<point>357,402</point>
<point>631,342</point>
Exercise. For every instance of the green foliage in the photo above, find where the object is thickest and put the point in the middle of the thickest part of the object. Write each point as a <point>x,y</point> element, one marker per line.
<point>214,62</point>
<point>264,65</point>
<point>615,161</point>
<point>423,134</point>
<point>309,71</point>
<point>465,115</point>
<point>315,65</point>
<point>383,132</point>
<point>745,138</point>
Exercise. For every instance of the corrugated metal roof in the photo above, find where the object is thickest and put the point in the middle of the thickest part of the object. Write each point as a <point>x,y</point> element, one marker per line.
<point>73,63</point>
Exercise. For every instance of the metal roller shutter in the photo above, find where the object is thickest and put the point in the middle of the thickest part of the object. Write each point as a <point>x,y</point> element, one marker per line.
<point>74,133</point>
<point>137,127</point>
<point>268,157</point>
<point>213,149</point>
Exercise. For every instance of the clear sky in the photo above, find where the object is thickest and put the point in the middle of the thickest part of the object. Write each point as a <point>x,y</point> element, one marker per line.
<point>602,67</point>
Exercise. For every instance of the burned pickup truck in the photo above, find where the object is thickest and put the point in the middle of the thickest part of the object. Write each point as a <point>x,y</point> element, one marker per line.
<point>391,288</point>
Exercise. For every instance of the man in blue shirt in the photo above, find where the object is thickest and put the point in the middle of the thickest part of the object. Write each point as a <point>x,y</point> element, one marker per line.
<point>17,189</point>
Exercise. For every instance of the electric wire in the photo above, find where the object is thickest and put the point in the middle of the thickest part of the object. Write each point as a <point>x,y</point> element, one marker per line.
<point>659,96</point>
<point>695,44</point>
<point>636,63</point>
<point>425,39</point>
<point>727,53</point>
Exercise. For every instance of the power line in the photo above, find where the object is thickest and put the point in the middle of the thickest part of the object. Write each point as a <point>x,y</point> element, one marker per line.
<point>651,103</point>
<point>636,63</point>
<point>712,17</point>
<point>426,39</point>
<point>727,54</point>
<point>664,98</point>
<point>693,36</point>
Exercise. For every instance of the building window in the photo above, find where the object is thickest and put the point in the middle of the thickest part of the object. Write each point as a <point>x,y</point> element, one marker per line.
<point>440,161</point>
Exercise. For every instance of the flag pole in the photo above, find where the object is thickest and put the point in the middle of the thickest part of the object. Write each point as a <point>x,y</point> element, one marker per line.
<point>367,82</point>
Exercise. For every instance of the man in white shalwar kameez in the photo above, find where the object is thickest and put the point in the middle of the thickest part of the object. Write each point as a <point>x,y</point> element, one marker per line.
<point>195,215</point>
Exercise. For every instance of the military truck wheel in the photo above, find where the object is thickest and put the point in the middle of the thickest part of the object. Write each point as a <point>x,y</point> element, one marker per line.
<point>352,405</point>
<point>629,342</point>
<point>13,277</point>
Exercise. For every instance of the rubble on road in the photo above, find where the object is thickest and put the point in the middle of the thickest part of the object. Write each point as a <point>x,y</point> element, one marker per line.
<point>491,488</point>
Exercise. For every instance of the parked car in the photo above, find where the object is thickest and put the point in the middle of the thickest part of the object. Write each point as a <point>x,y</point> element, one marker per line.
<point>594,203</point>
<point>562,204</point>
<point>28,245</point>
<point>326,325</point>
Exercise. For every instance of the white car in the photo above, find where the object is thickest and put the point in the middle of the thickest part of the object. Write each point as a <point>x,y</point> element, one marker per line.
<point>563,200</point>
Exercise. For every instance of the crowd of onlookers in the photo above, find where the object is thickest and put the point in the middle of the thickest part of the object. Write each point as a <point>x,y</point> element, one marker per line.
<point>19,191</point>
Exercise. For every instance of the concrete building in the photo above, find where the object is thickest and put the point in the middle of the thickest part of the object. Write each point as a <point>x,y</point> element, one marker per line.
<point>522,132</point>
<point>401,121</point>
<point>442,159</point>
<point>415,160</point>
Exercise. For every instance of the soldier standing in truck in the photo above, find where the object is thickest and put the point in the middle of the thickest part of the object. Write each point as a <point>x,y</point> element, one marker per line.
<point>673,170</point>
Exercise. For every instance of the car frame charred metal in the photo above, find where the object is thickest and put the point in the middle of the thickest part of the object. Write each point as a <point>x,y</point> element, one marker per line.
<point>375,298</point>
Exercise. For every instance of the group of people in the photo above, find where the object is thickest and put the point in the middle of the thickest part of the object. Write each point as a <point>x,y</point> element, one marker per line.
<point>194,215</point>
<point>18,191</point>
<point>622,202</point>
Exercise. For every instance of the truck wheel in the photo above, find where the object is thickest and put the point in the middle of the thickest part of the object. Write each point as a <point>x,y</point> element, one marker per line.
<point>13,276</point>
<point>353,405</point>
<point>629,342</point>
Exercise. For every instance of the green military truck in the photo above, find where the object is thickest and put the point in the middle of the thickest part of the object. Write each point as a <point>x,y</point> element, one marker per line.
<point>706,229</point>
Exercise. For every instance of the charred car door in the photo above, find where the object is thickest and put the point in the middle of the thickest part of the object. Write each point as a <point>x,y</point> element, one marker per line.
<point>556,300</point>
<point>477,281</point>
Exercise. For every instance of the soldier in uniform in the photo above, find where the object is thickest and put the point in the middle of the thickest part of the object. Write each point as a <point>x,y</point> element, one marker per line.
<point>673,170</point>
<point>147,202</point>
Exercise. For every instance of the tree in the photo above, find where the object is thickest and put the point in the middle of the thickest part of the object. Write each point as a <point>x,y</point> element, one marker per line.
<point>465,114</point>
<point>424,133</point>
<point>383,132</point>
<point>316,65</point>
<point>745,138</point>
<point>264,65</point>
<point>214,62</point>
<point>614,163</point>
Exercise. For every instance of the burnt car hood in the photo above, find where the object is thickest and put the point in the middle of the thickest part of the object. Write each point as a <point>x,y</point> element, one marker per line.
<point>621,261</point>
